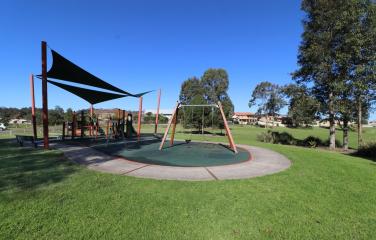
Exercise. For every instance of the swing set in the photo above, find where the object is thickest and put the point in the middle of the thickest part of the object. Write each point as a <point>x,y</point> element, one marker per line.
<point>174,119</point>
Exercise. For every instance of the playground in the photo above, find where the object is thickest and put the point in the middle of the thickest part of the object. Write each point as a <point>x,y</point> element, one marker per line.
<point>188,120</point>
<point>109,175</point>
<point>109,142</point>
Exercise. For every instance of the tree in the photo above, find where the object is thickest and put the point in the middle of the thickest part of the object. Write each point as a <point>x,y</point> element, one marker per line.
<point>68,116</point>
<point>189,89</point>
<point>325,52</point>
<point>211,88</point>
<point>150,118</point>
<point>192,93</point>
<point>361,44</point>
<point>268,98</point>
<point>56,115</point>
<point>303,108</point>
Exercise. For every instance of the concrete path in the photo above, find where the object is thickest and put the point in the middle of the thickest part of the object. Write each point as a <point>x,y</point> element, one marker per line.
<point>264,162</point>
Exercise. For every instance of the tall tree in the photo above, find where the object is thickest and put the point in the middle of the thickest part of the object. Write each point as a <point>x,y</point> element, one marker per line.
<point>362,48</point>
<point>211,88</point>
<point>215,84</point>
<point>303,108</point>
<point>190,88</point>
<point>192,93</point>
<point>268,98</point>
<point>324,55</point>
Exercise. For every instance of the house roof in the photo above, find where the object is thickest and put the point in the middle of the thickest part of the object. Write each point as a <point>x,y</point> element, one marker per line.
<point>243,113</point>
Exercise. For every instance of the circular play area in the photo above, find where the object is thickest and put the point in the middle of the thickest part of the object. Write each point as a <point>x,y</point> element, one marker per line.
<point>181,154</point>
<point>192,161</point>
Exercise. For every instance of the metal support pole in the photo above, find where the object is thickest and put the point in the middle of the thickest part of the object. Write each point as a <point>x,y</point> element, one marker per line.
<point>33,118</point>
<point>139,119</point>
<point>44,95</point>
<point>157,115</point>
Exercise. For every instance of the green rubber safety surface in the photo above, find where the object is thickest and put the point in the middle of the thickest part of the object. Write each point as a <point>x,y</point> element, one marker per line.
<point>193,154</point>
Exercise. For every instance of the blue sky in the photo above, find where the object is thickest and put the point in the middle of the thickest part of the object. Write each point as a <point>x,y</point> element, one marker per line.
<point>143,45</point>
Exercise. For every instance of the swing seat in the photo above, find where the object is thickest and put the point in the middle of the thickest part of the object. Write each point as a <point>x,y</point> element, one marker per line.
<point>188,140</point>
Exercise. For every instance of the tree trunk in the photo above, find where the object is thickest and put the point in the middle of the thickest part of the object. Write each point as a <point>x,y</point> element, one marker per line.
<point>359,122</point>
<point>332,128</point>
<point>345,134</point>
<point>266,121</point>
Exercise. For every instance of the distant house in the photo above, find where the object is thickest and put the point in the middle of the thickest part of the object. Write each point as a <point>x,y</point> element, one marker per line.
<point>244,118</point>
<point>325,123</point>
<point>248,118</point>
<point>19,121</point>
<point>371,124</point>
<point>164,112</point>
<point>276,121</point>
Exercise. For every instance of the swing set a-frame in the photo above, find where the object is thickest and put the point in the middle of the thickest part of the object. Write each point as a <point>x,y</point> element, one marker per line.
<point>174,119</point>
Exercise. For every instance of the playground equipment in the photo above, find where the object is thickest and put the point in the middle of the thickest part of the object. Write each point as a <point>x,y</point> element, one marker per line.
<point>63,69</point>
<point>174,119</point>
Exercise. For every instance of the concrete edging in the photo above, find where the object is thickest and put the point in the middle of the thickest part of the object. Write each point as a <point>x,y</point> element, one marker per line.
<point>264,162</point>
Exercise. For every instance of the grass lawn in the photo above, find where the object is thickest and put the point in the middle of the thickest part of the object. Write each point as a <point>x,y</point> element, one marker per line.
<point>324,195</point>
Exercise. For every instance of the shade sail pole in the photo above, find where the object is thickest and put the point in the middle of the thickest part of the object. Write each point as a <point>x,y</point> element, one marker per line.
<point>44,95</point>
<point>157,115</point>
<point>139,119</point>
<point>33,118</point>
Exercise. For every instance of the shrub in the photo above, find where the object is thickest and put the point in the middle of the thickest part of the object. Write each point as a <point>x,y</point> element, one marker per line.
<point>327,143</point>
<point>276,138</point>
<point>283,138</point>
<point>265,137</point>
<point>312,142</point>
<point>367,150</point>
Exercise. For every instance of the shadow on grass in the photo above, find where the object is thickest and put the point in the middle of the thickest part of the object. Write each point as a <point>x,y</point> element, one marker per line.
<point>355,154</point>
<point>27,168</point>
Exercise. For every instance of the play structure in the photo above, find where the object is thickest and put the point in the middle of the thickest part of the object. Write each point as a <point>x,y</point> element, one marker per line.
<point>174,120</point>
<point>113,132</point>
<point>118,126</point>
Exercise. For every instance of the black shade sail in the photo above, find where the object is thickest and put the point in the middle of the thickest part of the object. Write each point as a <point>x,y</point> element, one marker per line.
<point>141,94</point>
<point>64,69</point>
<point>92,96</point>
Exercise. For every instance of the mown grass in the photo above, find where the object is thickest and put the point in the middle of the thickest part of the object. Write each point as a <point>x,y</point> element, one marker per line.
<point>324,195</point>
<point>248,134</point>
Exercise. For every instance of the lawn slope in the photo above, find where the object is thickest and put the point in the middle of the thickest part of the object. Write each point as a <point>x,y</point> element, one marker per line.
<point>323,195</point>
